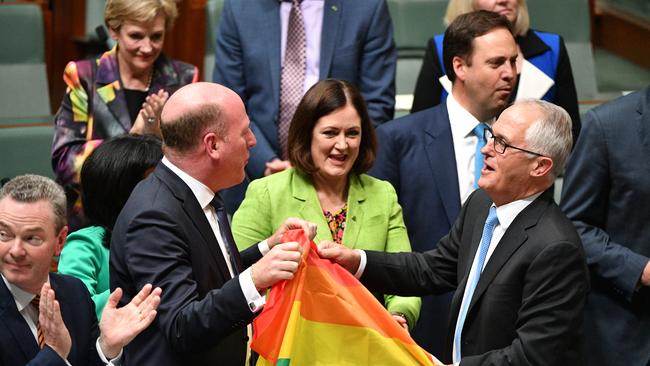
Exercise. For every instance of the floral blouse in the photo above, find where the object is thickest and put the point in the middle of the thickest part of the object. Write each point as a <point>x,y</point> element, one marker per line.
<point>336,223</point>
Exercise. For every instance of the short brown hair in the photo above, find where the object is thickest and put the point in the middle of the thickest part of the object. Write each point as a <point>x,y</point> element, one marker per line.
<point>459,36</point>
<point>325,97</point>
<point>117,11</point>
<point>30,188</point>
<point>184,132</point>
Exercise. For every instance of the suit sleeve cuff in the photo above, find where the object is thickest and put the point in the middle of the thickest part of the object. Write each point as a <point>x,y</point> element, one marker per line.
<point>362,263</point>
<point>117,361</point>
<point>263,246</point>
<point>254,300</point>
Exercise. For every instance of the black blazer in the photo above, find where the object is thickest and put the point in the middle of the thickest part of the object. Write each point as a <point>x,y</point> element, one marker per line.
<point>527,307</point>
<point>17,343</point>
<point>162,237</point>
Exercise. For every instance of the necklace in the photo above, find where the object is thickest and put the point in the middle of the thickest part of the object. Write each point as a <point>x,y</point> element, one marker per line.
<point>149,80</point>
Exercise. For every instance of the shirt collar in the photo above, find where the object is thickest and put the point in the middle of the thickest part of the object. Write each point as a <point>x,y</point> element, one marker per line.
<point>203,194</point>
<point>508,213</point>
<point>462,122</point>
<point>21,297</point>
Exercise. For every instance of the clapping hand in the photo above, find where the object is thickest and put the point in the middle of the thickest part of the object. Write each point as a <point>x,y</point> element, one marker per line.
<point>119,326</point>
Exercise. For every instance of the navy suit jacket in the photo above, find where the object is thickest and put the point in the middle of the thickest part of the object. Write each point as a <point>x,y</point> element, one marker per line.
<point>356,45</point>
<point>162,237</point>
<point>527,308</point>
<point>17,343</point>
<point>606,193</point>
<point>416,155</point>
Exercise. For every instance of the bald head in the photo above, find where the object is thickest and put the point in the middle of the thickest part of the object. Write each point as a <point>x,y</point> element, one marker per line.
<point>193,110</point>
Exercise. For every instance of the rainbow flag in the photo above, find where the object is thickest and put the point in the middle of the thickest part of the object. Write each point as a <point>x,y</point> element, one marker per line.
<point>325,316</point>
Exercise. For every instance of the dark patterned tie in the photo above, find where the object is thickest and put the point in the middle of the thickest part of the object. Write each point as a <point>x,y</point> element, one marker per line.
<point>292,80</point>
<point>39,332</point>
<point>226,234</point>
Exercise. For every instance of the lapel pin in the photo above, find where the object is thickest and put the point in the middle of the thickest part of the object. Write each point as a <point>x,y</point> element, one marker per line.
<point>334,8</point>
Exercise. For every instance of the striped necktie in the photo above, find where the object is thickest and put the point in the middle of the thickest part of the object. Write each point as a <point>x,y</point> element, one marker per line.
<point>41,339</point>
<point>292,79</point>
<point>478,157</point>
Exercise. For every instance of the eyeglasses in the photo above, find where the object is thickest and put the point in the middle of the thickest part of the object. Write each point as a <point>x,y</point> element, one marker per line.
<point>500,145</point>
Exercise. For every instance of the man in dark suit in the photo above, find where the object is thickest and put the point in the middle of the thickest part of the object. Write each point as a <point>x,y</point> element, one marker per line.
<point>431,156</point>
<point>174,233</point>
<point>606,194</point>
<point>514,260</point>
<point>46,318</point>
<point>345,39</point>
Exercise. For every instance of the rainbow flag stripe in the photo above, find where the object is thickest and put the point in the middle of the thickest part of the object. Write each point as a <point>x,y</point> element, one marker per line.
<point>325,316</point>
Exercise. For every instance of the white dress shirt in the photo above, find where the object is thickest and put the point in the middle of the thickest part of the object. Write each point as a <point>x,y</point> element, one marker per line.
<point>23,301</point>
<point>312,15</point>
<point>204,196</point>
<point>462,132</point>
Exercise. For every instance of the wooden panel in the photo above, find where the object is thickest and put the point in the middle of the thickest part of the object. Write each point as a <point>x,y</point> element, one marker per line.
<point>623,34</point>
<point>186,42</point>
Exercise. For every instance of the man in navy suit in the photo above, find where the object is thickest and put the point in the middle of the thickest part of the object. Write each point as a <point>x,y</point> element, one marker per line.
<point>62,328</point>
<point>512,257</point>
<point>430,156</point>
<point>173,232</point>
<point>606,193</point>
<point>345,39</point>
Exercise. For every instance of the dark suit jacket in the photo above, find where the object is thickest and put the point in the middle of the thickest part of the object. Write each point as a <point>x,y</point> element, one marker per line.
<point>416,155</point>
<point>606,193</point>
<point>17,343</point>
<point>528,304</point>
<point>162,237</point>
<point>356,45</point>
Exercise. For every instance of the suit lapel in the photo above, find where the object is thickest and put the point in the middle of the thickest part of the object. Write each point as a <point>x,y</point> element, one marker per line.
<point>193,210</point>
<point>14,322</point>
<point>439,148</point>
<point>304,194</point>
<point>643,122</point>
<point>271,28</point>
<point>109,90</point>
<point>513,238</point>
<point>355,218</point>
<point>331,17</point>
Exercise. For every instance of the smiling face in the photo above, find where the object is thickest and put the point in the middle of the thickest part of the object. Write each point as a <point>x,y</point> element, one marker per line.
<point>490,75</point>
<point>140,43</point>
<point>28,241</point>
<point>507,8</point>
<point>335,143</point>
<point>509,176</point>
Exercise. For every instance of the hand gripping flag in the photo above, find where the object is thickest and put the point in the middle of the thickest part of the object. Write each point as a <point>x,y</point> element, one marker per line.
<point>325,316</point>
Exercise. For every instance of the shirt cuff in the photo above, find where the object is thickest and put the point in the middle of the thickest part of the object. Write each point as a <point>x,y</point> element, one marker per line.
<point>117,361</point>
<point>362,263</point>
<point>254,300</point>
<point>263,246</point>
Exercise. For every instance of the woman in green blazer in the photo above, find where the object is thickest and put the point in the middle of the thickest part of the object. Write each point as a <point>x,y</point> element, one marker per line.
<point>331,144</point>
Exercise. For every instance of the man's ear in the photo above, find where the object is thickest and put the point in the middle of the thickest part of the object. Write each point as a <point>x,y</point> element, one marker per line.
<point>543,166</point>
<point>460,67</point>
<point>212,143</point>
<point>60,240</point>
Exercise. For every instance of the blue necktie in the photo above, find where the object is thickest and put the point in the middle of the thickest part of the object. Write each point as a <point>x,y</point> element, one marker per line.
<point>491,221</point>
<point>478,157</point>
<point>226,234</point>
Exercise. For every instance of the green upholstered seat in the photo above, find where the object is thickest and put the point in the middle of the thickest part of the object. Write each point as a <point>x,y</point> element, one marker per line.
<point>23,87</point>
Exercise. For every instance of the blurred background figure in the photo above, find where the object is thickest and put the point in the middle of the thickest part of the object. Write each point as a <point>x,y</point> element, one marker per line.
<point>331,145</point>
<point>606,193</point>
<point>543,67</point>
<point>121,92</point>
<point>271,52</point>
<point>108,176</point>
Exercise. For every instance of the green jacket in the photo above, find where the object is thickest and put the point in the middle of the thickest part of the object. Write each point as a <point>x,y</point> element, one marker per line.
<point>374,219</point>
